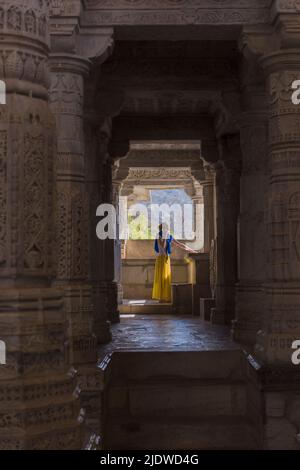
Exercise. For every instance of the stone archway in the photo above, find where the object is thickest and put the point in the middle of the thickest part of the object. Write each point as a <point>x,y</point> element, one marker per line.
<point>167,171</point>
<point>73,104</point>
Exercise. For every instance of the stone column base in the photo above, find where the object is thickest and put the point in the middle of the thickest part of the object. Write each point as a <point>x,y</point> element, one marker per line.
<point>81,343</point>
<point>206,305</point>
<point>217,317</point>
<point>38,408</point>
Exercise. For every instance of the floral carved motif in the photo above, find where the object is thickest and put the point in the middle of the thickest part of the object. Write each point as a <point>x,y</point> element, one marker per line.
<point>72,236</point>
<point>34,223</point>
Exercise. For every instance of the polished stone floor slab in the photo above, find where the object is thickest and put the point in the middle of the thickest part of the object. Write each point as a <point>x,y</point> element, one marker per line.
<point>167,333</point>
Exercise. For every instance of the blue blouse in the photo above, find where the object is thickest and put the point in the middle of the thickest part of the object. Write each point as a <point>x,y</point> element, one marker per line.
<point>168,243</point>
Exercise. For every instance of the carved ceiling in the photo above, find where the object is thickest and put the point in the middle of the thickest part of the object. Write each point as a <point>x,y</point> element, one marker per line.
<point>163,78</point>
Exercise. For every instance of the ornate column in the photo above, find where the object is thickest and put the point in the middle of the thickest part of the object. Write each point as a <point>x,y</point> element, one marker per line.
<point>281,324</point>
<point>97,139</point>
<point>227,182</point>
<point>278,48</point>
<point>113,182</point>
<point>109,255</point>
<point>200,281</point>
<point>117,185</point>
<point>208,198</point>
<point>209,155</point>
<point>278,51</point>
<point>72,222</point>
<point>38,407</point>
<point>252,242</point>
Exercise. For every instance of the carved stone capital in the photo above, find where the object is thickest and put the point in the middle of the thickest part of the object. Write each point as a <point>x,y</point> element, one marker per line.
<point>286,22</point>
<point>68,35</point>
<point>69,63</point>
<point>266,44</point>
<point>256,41</point>
<point>118,149</point>
<point>24,47</point>
<point>197,171</point>
<point>209,151</point>
<point>226,111</point>
<point>209,174</point>
<point>103,133</point>
<point>282,60</point>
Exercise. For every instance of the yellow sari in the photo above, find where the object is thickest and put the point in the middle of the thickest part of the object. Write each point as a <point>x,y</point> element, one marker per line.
<point>162,279</point>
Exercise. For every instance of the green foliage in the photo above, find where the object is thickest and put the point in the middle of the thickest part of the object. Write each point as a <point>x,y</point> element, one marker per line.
<point>138,228</point>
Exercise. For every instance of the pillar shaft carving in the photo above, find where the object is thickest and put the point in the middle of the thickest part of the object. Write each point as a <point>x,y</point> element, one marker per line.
<point>252,240</point>
<point>278,50</point>
<point>72,219</point>
<point>66,99</point>
<point>96,148</point>
<point>282,322</point>
<point>112,247</point>
<point>32,320</point>
<point>209,213</point>
<point>227,185</point>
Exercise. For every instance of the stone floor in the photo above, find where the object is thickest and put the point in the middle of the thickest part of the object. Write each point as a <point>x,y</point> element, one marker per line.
<point>166,333</point>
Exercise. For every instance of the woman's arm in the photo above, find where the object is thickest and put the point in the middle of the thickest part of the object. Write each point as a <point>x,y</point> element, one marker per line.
<point>183,246</point>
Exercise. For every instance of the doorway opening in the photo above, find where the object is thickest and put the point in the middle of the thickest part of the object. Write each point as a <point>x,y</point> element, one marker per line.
<point>153,195</point>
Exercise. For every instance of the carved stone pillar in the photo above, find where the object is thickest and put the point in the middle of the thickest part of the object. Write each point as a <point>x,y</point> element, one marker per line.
<point>111,251</point>
<point>118,243</point>
<point>277,49</point>
<point>208,199</point>
<point>252,243</point>
<point>281,325</point>
<point>72,223</point>
<point>227,182</point>
<point>96,151</point>
<point>38,409</point>
<point>113,182</point>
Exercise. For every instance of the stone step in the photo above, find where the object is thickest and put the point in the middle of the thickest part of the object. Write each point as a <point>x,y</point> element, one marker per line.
<point>142,365</point>
<point>184,398</point>
<point>147,308</point>
<point>202,433</point>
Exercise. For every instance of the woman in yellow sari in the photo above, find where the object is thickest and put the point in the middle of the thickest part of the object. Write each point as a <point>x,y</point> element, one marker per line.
<point>162,275</point>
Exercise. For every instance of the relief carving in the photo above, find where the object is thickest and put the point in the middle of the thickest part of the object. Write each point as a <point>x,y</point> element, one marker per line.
<point>72,234</point>
<point>3,200</point>
<point>14,18</point>
<point>30,22</point>
<point>294,218</point>
<point>20,19</point>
